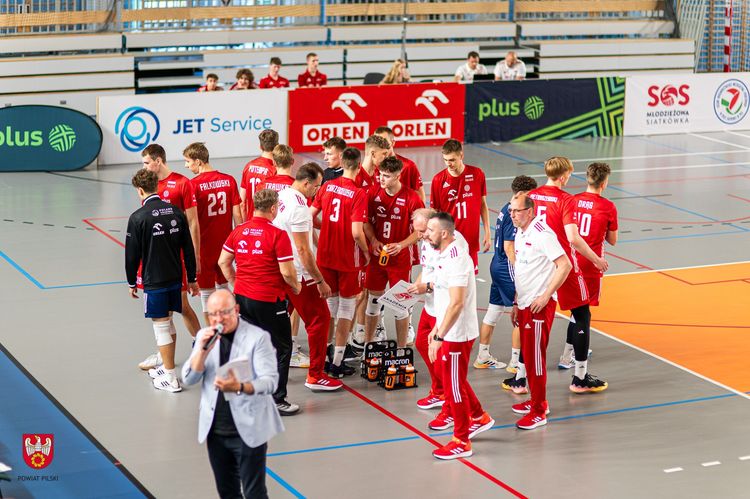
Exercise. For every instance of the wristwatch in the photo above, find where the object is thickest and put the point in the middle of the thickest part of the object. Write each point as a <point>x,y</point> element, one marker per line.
<point>241,390</point>
<point>435,337</point>
<point>429,287</point>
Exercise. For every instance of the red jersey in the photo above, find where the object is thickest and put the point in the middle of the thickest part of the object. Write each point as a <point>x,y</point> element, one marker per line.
<point>204,88</point>
<point>258,246</point>
<point>410,175</point>
<point>341,203</point>
<point>596,216</point>
<point>390,216</point>
<point>556,207</point>
<point>461,197</point>
<point>366,181</point>
<point>254,173</point>
<point>277,182</point>
<point>177,190</point>
<point>269,82</point>
<point>307,80</point>
<point>216,194</point>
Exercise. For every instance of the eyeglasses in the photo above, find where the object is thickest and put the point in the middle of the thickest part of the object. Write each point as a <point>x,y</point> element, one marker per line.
<point>512,211</point>
<point>222,313</point>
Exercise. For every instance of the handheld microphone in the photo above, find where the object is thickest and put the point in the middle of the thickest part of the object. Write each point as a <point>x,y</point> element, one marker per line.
<point>218,329</point>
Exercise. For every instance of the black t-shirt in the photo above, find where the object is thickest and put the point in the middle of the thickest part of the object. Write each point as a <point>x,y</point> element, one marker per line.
<point>223,421</point>
<point>332,174</point>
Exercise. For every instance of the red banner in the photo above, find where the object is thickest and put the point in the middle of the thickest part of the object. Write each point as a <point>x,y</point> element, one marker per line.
<point>424,114</point>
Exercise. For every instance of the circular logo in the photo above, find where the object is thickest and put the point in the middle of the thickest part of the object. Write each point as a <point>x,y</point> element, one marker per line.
<point>62,138</point>
<point>245,232</point>
<point>731,101</point>
<point>533,108</point>
<point>467,188</point>
<point>174,223</point>
<point>137,128</point>
<point>668,95</point>
<point>257,244</point>
<point>166,194</point>
<point>396,210</point>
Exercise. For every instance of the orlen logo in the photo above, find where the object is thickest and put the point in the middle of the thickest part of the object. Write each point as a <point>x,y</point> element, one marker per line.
<point>668,95</point>
<point>344,103</point>
<point>427,98</point>
<point>429,129</point>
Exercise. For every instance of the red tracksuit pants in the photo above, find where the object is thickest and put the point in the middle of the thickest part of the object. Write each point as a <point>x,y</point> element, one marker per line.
<point>313,310</point>
<point>535,329</point>
<point>426,323</point>
<point>460,400</point>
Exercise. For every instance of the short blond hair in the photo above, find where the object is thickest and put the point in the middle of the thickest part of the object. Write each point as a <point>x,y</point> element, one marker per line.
<point>283,156</point>
<point>557,166</point>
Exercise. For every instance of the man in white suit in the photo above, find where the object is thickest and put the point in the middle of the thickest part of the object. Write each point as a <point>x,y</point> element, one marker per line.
<point>236,427</point>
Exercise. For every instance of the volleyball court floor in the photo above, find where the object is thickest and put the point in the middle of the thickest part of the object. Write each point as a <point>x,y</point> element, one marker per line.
<point>671,338</point>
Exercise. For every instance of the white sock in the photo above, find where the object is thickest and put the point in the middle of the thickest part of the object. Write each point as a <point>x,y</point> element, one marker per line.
<point>295,346</point>
<point>484,348</point>
<point>514,353</point>
<point>338,355</point>
<point>521,373</point>
<point>567,351</point>
<point>581,368</point>
<point>360,328</point>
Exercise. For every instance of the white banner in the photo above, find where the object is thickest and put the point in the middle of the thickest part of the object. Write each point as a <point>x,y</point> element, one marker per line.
<point>228,122</point>
<point>680,103</point>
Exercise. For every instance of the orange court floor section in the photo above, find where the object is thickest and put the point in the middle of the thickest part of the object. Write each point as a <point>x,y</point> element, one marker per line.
<point>698,318</point>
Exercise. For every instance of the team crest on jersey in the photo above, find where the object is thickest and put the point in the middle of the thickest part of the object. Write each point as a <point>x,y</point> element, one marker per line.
<point>38,449</point>
<point>245,232</point>
<point>396,210</point>
<point>470,177</point>
<point>467,188</point>
<point>171,183</point>
<point>166,194</point>
<point>400,202</point>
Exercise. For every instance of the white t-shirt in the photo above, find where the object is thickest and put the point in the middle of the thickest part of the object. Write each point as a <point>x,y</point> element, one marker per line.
<point>504,72</point>
<point>467,74</point>
<point>536,250</point>
<point>455,268</point>
<point>294,216</point>
<point>427,256</point>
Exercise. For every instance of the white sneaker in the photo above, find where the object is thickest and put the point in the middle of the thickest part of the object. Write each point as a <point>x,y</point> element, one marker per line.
<point>380,333</point>
<point>151,362</point>
<point>358,339</point>
<point>157,372</point>
<point>299,359</point>
<point>168,383</point>
<point>410,336</point>
<point>570,363</point>
<point>488,362</point>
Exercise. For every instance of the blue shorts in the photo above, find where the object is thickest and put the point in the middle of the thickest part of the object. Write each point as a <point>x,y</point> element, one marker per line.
<point>503,287</point>
<point>159,302</point>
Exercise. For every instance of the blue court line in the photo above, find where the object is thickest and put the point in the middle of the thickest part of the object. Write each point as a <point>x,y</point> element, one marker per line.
<point>39,285</point>
<point>284,484</point>
<point>619,189</point>
<point>512,425</point>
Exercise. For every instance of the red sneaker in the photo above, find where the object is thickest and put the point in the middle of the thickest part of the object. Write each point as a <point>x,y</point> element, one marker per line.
<point>480,424</point>
<point>430,401</point>
<point>531,421</point>
<point>453,450</point>
<point>441,422</point>
<point>323,384</point>
<point>525,408</point>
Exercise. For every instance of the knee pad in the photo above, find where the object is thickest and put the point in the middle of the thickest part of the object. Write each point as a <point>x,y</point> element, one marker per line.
<point>162,333</point>
<point>373,307</point>
<point>224,285</point>
<point>333,305</point>
<point>405,314</point>
<point>205,293</point>
<point>493,314</point>
<point>347,308</point>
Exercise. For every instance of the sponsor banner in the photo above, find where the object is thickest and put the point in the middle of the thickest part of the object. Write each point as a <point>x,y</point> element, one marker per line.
<point>47,138</point>
<point>420,114</point>
<point>544,109</point>
<point>228,123</point>
<point>684,103</point>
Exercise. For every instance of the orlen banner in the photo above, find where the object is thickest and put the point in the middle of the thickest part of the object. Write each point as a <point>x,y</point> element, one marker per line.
<point>684,103</point>
<point>228,122</point>
<point>420,115</point>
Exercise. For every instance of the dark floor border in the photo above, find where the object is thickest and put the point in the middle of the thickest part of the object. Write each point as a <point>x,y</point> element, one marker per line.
<point>77,424</point>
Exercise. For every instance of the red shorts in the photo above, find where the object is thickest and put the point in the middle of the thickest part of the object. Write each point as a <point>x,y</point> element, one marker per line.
<point>210,274</point>
<point>594,285</point>
<point>573,293</point>
<point>346,284</point>
<point>378,276</point>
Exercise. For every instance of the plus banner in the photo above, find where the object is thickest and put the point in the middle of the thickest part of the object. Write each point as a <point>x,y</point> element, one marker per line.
<point>683,103</point>
<point>544,109</point>
<point>420,115</point>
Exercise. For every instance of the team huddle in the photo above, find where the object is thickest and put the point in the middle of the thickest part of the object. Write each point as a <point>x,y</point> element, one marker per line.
<point>323,246</point>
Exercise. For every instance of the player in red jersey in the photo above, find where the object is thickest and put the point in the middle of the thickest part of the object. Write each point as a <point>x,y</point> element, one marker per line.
<point>312,77</point>
<point>461,190</point>
<point>342,250</point>
<point>257,170</point>
<point>597,222</point>
<point>274,79</point>
<point>218,204</point>
<point>283,159</point>
<point>390,211</point>
<point>410,176</point>
<point>556,207</point>
<point>212,84</point>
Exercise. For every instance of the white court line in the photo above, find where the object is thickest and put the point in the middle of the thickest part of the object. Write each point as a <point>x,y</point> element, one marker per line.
<point>719,141</point>
<point>672,470</point>
<point>744,458</point>
<point>646,271</point>
<point>737,133</point>
<point>670,155</point>
<point>711,463</point>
